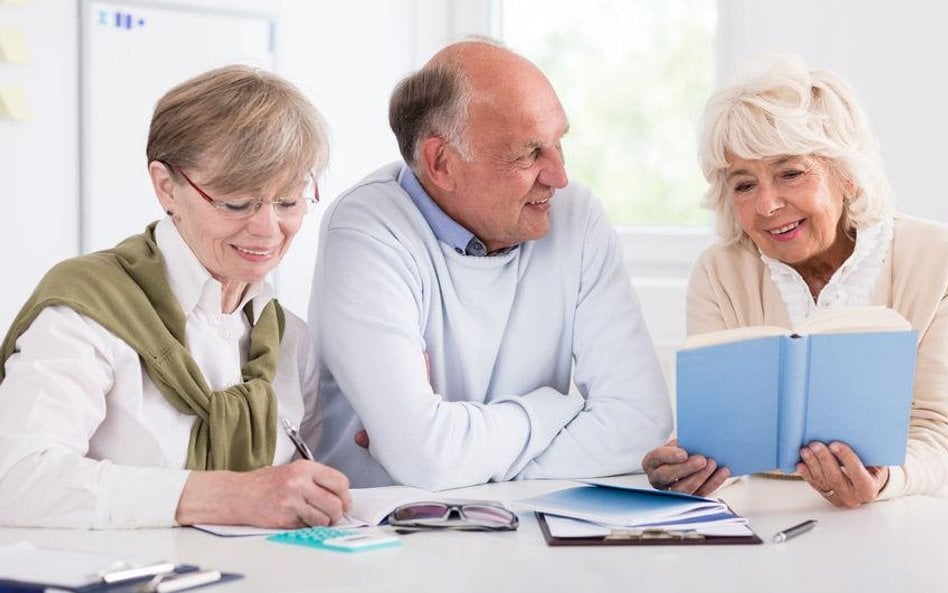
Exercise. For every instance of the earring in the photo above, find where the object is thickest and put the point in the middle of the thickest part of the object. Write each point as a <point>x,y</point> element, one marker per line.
<point>169,212</point>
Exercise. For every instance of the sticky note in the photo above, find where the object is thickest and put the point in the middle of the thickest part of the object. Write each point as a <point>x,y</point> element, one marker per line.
<point>13,47</point>
<point>14,105</point>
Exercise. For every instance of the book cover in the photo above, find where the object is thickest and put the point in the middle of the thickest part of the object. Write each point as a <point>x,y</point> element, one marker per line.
<point>751,398</point>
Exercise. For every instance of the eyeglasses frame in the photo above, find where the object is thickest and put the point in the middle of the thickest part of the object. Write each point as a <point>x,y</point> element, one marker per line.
<point>421,525</point>
<point>257,202</point>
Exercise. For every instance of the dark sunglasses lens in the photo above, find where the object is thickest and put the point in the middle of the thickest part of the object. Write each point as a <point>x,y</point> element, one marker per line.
<point>488,515</point>
<point>416,512</point>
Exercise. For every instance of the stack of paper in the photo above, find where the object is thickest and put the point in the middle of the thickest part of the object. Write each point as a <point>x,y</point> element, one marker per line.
<point>591,509</point>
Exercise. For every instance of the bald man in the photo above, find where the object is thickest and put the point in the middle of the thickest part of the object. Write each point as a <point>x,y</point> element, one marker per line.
<point>459,294</point>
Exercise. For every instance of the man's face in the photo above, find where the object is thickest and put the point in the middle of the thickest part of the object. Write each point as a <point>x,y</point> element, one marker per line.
<point>503,191</point>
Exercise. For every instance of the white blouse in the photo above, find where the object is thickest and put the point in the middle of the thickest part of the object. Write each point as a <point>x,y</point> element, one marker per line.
<point>86,438</point>
<point>850,286</point>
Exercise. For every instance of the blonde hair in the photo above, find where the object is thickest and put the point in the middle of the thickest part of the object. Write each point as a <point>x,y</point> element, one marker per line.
<point>786,109</point>
<point>245,126</point>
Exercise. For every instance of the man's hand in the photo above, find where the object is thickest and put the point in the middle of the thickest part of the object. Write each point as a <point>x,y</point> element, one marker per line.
<point>837,473</point>
<point>669,467</point>
<point>300,494</point>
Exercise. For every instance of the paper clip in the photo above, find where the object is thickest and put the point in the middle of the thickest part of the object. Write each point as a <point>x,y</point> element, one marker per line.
<point>653,534</point>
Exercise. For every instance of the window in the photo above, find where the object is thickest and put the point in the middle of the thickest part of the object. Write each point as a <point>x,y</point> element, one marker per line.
<point>633,76</point>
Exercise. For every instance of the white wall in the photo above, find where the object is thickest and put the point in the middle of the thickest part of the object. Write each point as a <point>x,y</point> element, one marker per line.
<point>891,52</point>
<point>39,160</point>
<point>346,56</point>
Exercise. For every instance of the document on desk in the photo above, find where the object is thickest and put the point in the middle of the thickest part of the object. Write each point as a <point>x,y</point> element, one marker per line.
<point>614,514</point>
<point>564,527</point>
<point>370,506</point>
<point>624,506</point>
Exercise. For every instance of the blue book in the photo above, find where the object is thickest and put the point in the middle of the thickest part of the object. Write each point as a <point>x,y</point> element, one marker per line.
<point>751,398</point>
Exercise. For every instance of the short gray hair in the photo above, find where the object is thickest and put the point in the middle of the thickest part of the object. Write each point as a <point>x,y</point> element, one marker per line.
<point>431,102</point>
<point>786,109</point>
<point>248,124</point>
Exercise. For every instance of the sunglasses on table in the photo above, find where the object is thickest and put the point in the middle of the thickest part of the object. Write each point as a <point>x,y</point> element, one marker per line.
<point>474,516</point>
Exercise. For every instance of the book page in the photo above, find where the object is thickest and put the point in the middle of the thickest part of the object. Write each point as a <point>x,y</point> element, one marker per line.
<point>371,505</point>
<point>844,320</point>
<point>851,320</point>
<point>737,334</point>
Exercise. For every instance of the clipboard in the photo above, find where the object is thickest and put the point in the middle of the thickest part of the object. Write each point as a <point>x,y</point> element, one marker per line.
<point>646,537</point>
<point>134,585</point>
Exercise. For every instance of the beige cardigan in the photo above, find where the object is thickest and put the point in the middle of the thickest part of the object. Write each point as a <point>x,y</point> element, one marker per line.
<point>730,287</point>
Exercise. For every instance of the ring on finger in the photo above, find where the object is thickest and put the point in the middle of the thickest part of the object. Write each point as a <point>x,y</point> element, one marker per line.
<point>829,493</point>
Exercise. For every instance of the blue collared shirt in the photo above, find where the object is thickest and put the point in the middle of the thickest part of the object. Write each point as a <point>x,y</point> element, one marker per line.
<point>445,228</point>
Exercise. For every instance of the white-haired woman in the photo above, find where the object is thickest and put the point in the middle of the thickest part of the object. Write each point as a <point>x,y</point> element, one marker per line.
<point>144,385</point>
<point>805,214</point>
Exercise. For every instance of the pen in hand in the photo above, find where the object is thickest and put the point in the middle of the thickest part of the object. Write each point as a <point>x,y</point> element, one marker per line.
<point>792,532</point>
<point>294,435</point>
<point>305,453</point>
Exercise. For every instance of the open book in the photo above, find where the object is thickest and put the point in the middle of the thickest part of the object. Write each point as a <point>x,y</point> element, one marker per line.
<point>751,397</point>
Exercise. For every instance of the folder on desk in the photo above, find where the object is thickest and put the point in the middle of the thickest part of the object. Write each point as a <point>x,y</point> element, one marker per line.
<point>564,531</point>
<point>25,568</point>
<point>611,514</point>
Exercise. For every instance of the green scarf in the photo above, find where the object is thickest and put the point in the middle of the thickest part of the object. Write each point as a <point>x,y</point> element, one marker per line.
<point>126,291</point>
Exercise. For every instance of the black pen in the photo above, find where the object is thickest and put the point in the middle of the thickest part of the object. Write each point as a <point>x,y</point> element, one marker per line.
<point>294,435</point>
<point>792,532</point>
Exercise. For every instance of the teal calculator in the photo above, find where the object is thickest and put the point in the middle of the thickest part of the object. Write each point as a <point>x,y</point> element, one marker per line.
<point>338,540</point>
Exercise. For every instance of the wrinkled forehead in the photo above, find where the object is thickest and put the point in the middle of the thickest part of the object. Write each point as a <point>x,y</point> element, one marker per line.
<point>518,115</point>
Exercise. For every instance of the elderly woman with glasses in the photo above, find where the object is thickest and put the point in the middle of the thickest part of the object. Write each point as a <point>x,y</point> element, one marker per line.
<point>147,385</point>
<point>804,210</point>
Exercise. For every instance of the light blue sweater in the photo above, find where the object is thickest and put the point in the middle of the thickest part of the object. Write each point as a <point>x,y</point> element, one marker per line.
<point>502,336</point>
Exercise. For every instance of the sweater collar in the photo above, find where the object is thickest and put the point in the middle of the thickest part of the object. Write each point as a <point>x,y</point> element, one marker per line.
<point>445,228</point>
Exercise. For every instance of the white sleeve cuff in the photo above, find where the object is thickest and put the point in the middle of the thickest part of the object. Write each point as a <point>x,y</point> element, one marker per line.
<point>548,411</point>
<point>134,497</point>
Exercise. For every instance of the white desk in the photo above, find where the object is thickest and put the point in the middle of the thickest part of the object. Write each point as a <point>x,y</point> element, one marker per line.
<point>888,546</point>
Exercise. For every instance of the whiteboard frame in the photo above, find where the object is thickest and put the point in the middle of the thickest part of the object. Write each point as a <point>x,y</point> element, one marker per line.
<point>86,61</point>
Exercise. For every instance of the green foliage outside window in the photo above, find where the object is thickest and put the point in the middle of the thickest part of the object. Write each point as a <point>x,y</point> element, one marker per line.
<point>633,76</point>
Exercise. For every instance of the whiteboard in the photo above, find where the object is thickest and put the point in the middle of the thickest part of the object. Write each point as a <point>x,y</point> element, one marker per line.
<point>132,53</point>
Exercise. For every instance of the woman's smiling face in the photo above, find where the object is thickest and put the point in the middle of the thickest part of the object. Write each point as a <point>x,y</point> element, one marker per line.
<point>790,206</point>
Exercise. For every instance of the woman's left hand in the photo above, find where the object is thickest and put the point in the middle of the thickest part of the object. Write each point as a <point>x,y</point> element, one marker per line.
<point>836,472</point>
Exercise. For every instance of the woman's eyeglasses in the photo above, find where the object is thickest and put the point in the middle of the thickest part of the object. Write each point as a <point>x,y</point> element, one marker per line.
<point>286,207</point>
<point>478,516</point>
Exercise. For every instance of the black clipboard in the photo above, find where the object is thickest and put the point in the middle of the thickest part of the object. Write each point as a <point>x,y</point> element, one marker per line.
<point>655,538</point>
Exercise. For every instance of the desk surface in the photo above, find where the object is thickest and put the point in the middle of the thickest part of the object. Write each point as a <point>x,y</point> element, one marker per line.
<point>886,546</point>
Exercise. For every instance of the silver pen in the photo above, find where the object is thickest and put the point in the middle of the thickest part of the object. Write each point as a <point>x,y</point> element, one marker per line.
<point>170,583</point>
<point>305,453</point>
<point>792,532</point>
<point>129,573</point>
<point>294,435</point>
